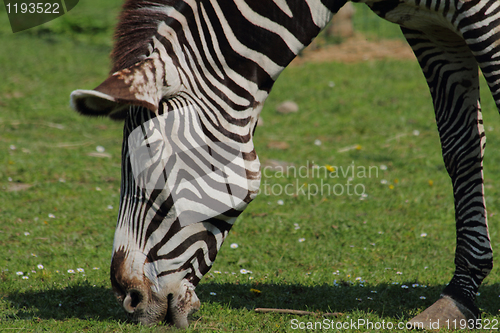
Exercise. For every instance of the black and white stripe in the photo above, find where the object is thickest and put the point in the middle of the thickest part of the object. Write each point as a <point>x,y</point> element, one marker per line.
<point>204,70</point>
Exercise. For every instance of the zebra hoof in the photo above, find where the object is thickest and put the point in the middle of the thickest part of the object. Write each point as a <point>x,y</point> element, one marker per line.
<point>444,313</point>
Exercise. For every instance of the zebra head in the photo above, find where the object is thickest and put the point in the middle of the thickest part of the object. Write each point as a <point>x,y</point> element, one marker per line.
<point>182,189</point>
<point>183,185</point>
<point>188,170</point>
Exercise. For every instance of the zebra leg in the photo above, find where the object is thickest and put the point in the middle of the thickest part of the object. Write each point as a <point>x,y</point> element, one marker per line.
<point>451,72</point>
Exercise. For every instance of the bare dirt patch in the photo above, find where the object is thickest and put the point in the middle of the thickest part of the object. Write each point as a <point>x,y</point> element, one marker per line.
<point>357,49</point>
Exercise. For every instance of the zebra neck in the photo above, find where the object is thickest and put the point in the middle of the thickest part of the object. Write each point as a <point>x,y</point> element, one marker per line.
<point>226,53</point>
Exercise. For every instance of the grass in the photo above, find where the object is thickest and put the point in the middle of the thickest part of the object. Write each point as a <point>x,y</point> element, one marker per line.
<point>65,219</point>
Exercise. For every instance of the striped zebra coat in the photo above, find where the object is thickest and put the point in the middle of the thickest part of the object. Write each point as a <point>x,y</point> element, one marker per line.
<point>189,79</point>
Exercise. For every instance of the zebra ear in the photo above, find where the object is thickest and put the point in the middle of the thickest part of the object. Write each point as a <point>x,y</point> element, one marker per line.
<point>141,84</point>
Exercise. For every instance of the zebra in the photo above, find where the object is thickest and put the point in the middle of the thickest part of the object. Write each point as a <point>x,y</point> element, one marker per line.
<point>189,79</point>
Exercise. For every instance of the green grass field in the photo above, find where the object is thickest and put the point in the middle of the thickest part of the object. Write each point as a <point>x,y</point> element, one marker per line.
<point>305,249</point>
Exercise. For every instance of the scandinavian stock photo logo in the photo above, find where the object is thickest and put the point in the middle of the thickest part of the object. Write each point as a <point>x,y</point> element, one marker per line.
<point>311,180</point>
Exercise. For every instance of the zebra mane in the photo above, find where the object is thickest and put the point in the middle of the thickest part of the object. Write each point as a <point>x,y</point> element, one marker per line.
<point>137,25</point>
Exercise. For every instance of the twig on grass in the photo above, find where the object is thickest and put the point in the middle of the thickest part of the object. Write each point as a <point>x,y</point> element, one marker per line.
<point>298,312</point>
<point>352,147</point>
<point>73,144</point>
<point>400,135</point>
<point>196,323</point>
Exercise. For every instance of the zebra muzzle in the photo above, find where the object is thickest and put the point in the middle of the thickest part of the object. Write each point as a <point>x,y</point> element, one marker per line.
<point>132,300</point>
<point>171,304</point>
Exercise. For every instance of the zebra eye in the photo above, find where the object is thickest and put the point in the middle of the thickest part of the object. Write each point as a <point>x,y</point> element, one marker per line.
<point>154,147</point>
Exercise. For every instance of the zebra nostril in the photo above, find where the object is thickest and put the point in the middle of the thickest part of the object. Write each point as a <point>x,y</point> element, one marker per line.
<point>132,300</point>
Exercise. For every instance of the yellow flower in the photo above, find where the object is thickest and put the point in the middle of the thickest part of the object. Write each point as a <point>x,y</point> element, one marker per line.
<point>255,291</point>
<point>330,168</point>
<point>391,187</point>
<point>431,183</point>
<point>358,147</point>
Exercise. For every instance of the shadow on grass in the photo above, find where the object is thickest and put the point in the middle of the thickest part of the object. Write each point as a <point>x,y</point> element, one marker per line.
<point>403,300</point>
<point>84,301</point>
